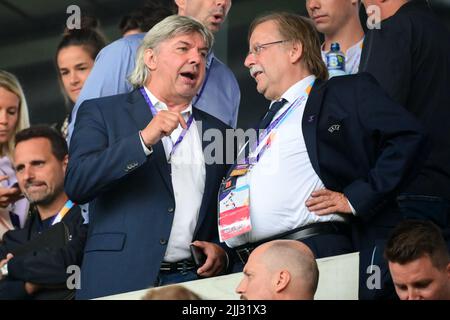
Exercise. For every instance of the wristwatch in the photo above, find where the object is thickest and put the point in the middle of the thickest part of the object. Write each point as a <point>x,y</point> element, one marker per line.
<point>4,270</point>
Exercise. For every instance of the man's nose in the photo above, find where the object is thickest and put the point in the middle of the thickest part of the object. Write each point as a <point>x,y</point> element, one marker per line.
<point>249,60</point>
<point>414,294</point>
<point>312,4</point>
<point>28,174</point>
<point>195,57</point>
<point>241,287</point>
<point>222,3</point>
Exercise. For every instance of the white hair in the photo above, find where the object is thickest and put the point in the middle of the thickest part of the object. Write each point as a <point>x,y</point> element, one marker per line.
<point>166,29</point>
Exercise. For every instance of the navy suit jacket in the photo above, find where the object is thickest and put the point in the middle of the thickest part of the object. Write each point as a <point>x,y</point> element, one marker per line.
<point>362,144</point>
<point>131,196</point>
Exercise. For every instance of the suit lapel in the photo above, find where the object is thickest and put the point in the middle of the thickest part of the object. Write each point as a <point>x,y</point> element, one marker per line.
<point>140,112</point>
<point>310,122</point>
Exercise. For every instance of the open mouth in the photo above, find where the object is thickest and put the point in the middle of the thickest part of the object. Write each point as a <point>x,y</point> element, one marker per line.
<point>257,73</point>
<point>189,75</point>
<point>218,18</point>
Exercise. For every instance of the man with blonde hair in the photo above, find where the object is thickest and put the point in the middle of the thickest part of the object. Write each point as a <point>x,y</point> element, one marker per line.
<point>139,158</point>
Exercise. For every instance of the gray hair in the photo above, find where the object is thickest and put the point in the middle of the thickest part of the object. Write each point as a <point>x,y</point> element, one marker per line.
<point>168,28</point>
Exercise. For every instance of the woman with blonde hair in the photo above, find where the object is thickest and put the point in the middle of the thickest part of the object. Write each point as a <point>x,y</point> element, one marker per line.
<point>13,118</point>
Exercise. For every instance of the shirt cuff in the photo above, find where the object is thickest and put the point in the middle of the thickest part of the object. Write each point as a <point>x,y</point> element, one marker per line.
<point>147,151</point>
<point>351,207</point>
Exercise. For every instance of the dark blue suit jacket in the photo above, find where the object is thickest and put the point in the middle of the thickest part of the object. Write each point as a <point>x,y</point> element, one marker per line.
<point>363,144</point>
<point>131,197</point>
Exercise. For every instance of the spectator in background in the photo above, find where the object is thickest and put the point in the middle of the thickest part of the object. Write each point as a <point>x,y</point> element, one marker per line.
<point>419,261</point>
<point>143,19</point>
<point>13,118</point>
<point>410,58</point>
<point>338,21</point>
<point>74,60</point>
<point>280,270</point>
<point>409,55</point>
<point>173,292</point>
<point>40,159</point>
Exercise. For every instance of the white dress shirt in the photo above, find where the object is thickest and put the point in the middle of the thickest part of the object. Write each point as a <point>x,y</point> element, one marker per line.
<point>188,181</point>
<point>283,179</point>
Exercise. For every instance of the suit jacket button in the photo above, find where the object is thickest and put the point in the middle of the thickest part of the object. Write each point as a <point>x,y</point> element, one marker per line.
<point>163,241</point>
<point>171,210</point>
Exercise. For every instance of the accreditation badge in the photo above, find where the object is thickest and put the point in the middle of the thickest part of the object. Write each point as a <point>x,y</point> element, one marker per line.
<point>234,210</point>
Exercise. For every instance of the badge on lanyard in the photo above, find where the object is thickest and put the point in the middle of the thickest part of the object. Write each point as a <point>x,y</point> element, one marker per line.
<point>234,208</point>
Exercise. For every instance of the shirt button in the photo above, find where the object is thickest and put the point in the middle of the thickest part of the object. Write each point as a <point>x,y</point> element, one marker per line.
<point>163,241</point>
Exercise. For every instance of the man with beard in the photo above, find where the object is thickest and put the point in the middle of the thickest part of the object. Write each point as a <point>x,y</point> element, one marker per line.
<point>41,158</point>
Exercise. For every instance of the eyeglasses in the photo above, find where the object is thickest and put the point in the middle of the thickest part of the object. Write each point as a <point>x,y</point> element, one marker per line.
<point>258,48</point>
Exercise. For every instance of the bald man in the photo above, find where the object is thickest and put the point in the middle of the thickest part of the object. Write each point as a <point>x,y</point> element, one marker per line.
<point>280,270</point>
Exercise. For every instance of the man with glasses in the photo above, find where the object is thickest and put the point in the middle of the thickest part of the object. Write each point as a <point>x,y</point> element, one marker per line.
<point>328,152</point>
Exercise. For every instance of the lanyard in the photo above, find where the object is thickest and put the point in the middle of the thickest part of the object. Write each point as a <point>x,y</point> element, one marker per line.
<point>67,206</point>
<point>273,125</point>
<point>154,112</point>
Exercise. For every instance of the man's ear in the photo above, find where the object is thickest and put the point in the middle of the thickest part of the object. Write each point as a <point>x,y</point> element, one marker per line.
<point>65,162</point>
<point>181,4</point>
<point>150,59</point>
<point>282,280</point>
<point>448,270</point>
<point>296,52</point>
